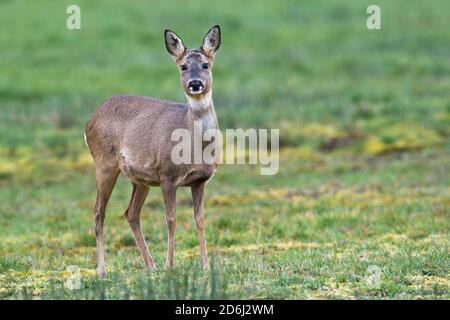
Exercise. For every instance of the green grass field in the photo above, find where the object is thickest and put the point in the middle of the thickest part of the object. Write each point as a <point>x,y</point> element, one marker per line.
<point>364,120</point>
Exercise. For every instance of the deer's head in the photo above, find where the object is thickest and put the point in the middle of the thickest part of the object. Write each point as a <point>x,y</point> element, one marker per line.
<point>194,64</point>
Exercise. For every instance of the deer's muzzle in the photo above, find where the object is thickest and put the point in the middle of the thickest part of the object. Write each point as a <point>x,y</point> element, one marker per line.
<point>195,86</point>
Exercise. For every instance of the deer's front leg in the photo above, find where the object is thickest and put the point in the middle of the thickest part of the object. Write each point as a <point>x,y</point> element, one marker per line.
<point>197,199</point>
<point>169,193</point>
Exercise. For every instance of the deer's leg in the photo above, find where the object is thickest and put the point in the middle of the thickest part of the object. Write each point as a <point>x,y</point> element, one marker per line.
<point>105,181</point>
<point>197,200</point>
<point>133,214</point>
<point>169,193</point>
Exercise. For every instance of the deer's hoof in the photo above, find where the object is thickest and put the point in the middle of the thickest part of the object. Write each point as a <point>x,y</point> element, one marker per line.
<point>169,266</point>
<point>151,267</point>
<point>101,273</point>
<point>205,266</point>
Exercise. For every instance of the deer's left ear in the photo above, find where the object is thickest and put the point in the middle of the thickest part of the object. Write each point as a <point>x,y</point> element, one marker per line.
<point>211,42</point>
<point>174,45</point>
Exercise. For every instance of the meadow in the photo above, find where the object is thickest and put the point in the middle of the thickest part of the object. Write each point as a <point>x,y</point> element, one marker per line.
<point>363,185</point>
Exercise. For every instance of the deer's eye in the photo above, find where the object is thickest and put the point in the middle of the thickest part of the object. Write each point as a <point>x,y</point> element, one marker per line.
<point>205,66</point>
<point>183,67</point>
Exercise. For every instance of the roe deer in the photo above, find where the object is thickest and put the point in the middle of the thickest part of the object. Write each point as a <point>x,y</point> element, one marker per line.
<point>132,135</point>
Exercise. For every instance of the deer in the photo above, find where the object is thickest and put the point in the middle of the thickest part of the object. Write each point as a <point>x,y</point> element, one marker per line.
<point>131,135</point>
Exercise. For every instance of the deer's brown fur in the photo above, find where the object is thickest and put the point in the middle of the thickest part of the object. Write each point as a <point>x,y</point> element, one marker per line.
<point>132,135</point>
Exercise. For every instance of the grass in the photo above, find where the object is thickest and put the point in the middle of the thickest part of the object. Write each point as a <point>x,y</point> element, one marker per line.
<point>364,129</point>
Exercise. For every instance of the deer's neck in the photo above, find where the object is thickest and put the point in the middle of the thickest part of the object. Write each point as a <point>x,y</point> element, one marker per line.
<point>201,111</point>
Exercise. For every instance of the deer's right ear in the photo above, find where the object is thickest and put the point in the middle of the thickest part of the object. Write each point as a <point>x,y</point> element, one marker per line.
<point>174,45</point>
<point>211,42</point>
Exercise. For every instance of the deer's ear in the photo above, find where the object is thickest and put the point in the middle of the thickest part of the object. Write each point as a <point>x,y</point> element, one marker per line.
<point>174,45</point>
<point>211,42</point>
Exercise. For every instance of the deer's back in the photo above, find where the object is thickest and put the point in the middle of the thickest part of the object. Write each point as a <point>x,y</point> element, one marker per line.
<point>131,118</point>
<point>133,134</point>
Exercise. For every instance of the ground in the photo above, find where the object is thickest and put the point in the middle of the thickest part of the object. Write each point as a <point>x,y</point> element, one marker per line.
<point>359,208</point>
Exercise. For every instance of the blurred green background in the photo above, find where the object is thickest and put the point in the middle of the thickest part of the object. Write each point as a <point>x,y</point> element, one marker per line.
<point>364,125</point>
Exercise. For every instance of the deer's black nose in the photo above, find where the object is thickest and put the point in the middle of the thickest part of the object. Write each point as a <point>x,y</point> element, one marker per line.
<point>195,86</point>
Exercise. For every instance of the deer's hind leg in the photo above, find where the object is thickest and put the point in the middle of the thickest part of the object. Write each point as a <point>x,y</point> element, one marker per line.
<point>133,214</point>
<point>105,180</point>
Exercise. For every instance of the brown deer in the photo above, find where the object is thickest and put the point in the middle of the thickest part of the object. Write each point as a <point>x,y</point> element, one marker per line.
<point>132,135</point>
